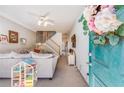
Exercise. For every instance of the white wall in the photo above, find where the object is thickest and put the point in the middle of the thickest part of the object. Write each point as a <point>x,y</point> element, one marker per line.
<point>6,25</point>
<point>82,48</point>
<point>58,39</point>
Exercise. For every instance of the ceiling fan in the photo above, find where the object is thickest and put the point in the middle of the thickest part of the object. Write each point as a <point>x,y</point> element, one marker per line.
<point>44,20</point>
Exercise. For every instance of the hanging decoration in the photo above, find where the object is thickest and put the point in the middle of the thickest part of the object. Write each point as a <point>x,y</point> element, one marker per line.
<point>106,21</point>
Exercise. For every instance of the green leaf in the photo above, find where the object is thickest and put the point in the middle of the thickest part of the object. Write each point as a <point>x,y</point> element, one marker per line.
<point>85,23</point>
<point>81,18</point>
<point>113,39</point>
<point>99,40</point>
<point>120,14</point>
<point>85,27</point>
<point>120,30</point>
<point>85,32</point>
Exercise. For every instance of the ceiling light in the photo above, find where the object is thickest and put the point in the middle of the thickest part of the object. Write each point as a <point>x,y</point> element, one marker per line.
<point>45,24</point>
<point>40,22</point>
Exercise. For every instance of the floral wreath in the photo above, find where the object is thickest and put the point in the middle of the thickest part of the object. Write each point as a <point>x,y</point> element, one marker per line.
<point>106,21</point>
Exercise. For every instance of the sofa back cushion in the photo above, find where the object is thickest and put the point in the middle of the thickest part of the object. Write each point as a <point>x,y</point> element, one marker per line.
<point>15,55</point>
<point>36,55</point>
<point>22,56</point>
<point>8,55</point>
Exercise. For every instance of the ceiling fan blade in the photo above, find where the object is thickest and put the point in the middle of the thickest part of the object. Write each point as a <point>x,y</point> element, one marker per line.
<point>33,14</point>
<point>43,19</point>
<point>46,14</point>
<point>50,22</point>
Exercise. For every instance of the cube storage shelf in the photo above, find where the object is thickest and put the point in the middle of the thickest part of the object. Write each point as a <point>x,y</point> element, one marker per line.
<point>23,75</point>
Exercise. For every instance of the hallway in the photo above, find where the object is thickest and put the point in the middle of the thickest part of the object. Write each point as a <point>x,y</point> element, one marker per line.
<point>65,76</point>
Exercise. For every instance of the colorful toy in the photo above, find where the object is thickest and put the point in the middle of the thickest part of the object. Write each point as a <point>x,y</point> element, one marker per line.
<point>23,74</point>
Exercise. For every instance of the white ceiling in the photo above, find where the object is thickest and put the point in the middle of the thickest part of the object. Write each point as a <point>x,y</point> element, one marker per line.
<point>64,16</point>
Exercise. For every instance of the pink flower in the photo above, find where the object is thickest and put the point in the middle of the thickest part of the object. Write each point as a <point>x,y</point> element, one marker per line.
<point>92,26</point>
<point>106,21</point>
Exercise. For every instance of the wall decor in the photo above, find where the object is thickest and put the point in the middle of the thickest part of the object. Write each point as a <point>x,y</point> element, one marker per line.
<point>106,22</point>
<point>3,38</point>
<point>23,41</point>
<point>13,37</point>
<point>73,40</point>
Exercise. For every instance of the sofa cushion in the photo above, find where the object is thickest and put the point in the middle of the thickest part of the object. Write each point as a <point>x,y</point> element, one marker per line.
<point>7,55</point>
<point>22,56</point>
<point>36,55</point>
<point>12,53</point>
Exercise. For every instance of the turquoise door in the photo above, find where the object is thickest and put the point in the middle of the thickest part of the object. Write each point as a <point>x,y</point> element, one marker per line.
<point>107,64</point>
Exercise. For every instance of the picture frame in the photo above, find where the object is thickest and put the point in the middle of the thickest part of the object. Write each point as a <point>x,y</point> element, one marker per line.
<point>13,37</point>
<point>23,41</point>
<point>73,41</point>
<point>3,38</point>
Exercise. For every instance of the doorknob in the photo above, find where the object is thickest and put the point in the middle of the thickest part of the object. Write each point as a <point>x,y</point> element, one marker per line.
<point>87,74</point>
<point>90,54</point>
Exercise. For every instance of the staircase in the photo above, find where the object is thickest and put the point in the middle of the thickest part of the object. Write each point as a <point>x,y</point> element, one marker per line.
<point>53,46</point>
<point>51,41</point>
<point>43,36</point>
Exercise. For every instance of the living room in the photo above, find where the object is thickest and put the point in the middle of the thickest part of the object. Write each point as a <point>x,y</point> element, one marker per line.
<point>61,46</point>
<point>39,35</point>
<point>46,46</point>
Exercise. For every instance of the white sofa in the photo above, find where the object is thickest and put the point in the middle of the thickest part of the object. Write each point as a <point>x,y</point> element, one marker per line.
<point>46,67</point>
<point>46,64</point>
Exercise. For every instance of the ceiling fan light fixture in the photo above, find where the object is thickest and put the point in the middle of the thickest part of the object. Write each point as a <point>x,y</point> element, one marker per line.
<point>45,24</point>
<point>40,22</point>
<point>46,18</point>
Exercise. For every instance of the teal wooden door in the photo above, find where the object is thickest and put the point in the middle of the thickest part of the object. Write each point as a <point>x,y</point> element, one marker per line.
<point>107,64</point>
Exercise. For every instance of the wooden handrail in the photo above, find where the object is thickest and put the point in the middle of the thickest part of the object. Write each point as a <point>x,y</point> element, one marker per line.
<point>53,48</point>
<point>54,42</point>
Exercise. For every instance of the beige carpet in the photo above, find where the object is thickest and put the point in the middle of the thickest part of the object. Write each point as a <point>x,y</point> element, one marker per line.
<point>65,76</point>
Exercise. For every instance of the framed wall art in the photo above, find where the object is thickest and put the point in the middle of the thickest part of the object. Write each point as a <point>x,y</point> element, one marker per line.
<point>73,41</point>
<point>13,37</point>
<point>3,38</point>
<point>23,41</point>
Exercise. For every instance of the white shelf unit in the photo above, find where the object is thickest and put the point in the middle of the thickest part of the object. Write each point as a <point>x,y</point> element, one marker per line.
<point>23,75</point>
<point>71,59</point>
